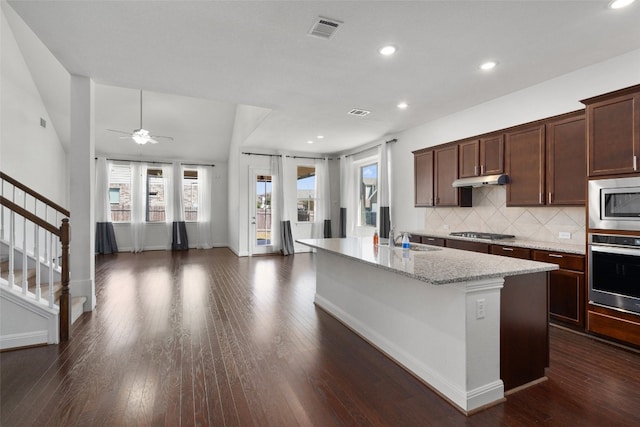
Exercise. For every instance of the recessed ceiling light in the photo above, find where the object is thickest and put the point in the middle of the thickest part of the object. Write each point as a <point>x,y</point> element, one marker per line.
<point>619,4</point>
<point>320,136</point>
<point>489,65</point>
<point>403,105</point>
<point>387,50</point>
<point>309,142</point>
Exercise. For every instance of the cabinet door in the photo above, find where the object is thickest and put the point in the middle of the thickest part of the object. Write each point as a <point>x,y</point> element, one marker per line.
<point>469,155</point>
<point>492,155</point>
<point>423,178</point>
<point>446,171</point>
<point>566,162</point>
<point>566,297</point>
<point>614,135</point>
<point>524,163</point>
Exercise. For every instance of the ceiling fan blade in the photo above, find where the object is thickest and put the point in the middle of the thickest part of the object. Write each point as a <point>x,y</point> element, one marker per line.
<point>125,137</point>
<point>170,138</point>
<point>153,141</point>
<point>119,131</point>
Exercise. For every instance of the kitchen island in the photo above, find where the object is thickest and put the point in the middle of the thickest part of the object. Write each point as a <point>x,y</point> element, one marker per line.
<point>469,325</point>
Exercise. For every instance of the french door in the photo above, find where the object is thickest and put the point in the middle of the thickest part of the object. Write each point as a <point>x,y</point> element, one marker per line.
<point>260,221</point>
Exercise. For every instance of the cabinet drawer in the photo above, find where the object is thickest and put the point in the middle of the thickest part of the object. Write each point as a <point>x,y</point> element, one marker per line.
<point>614,327</point>
<point>468,246</point>
<point>564,260</point>
<point>415,238</point>
<point>434,241</point>
<point>511,251</point>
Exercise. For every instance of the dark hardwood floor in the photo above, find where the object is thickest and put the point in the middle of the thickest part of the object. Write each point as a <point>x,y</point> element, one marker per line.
<point>204,337</point>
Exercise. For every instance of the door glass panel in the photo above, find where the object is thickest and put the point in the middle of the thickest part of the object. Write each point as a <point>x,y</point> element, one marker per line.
<point>263,210</point>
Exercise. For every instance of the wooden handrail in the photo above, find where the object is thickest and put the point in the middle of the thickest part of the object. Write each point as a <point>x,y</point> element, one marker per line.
<point>35,194</point>
<point>31,217</point>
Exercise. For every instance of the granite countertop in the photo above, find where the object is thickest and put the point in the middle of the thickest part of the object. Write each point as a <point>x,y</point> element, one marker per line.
<point>517,242</point>
<point>436,265</point>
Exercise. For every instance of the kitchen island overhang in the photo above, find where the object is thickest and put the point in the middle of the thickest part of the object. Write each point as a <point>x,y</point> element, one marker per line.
<point>435,312</point>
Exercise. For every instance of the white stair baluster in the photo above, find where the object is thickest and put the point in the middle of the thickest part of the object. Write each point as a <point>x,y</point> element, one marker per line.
<point>25,263</point>
<point>12,238</point>
<point>36,252</point>
<point>50,262</point>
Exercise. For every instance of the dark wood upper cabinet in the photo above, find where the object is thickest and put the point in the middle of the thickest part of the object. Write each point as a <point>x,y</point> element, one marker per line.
<point>446,171</point>
<point>469,158</point>
<point>525,166</point>
<point>566,161</point>
<point>613,132</point>
<point>483,156</point>
<point>492,155</point>
<point>423,178</point>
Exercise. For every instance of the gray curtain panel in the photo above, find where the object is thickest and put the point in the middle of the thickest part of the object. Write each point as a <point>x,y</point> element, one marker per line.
<point>286,238</point>
<point>327,228</point>
<point>343,222</point>
<point>180,241</point>
<point>385,222</point>
<point>105,238</point>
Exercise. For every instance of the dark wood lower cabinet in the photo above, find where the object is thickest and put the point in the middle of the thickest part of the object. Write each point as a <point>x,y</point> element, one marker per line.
<point>567,292</point>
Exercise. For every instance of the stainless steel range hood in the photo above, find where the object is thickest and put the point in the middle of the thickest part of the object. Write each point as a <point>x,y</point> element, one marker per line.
<point>479,181</point>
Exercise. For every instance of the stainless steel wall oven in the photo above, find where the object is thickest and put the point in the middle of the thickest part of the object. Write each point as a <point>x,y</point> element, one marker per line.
<point>614,271</point>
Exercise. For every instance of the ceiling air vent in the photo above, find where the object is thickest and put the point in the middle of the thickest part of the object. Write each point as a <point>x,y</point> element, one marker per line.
<point>359,112</point>
<point>324,28</point>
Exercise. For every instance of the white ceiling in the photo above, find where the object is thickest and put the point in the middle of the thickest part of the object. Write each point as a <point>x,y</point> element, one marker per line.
<point>198,60</point>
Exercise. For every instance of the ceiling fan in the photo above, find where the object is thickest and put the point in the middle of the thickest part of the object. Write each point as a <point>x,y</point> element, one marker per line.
<point>141,136</point>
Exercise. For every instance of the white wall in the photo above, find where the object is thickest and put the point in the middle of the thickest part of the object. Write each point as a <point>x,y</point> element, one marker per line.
<point>247,119</point>
<point>21,136</point>
<point>553,97</point>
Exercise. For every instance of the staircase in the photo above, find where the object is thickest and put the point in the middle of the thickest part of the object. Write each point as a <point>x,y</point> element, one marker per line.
<point>35,304</point>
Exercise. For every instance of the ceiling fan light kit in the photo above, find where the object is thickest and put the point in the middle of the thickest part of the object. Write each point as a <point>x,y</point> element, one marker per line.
<point>141,136</point>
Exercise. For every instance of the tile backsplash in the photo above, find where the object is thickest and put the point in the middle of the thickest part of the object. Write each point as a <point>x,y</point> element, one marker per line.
<point>490,214</point>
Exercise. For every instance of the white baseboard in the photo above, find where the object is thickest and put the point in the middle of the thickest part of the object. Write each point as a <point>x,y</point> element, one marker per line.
<point>24,339</point>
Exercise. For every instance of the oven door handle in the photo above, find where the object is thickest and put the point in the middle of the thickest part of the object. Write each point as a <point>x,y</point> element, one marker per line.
<point>614,250</point>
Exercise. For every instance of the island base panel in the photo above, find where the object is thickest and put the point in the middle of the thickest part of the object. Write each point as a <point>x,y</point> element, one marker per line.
<point>524,329</point>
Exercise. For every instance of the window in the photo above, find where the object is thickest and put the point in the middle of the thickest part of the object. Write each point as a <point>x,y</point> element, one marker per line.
<point>155,196</point>
<point>369,194</point>
<point>114,196</point>
<point>120,193</point>
<point>190,195</point>
<point>306,195</point>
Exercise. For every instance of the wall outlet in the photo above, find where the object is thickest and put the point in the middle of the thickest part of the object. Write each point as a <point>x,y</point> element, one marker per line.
<point>481,306</point>
<point>564,235</point>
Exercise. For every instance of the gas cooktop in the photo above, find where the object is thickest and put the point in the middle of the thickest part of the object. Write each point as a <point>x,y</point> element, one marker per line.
<point>480,235</point>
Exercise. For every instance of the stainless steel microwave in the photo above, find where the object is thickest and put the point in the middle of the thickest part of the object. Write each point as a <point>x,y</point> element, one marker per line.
<point>614,204</point>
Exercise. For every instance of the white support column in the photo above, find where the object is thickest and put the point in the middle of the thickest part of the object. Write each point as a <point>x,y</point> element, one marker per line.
<point>82,179</point>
